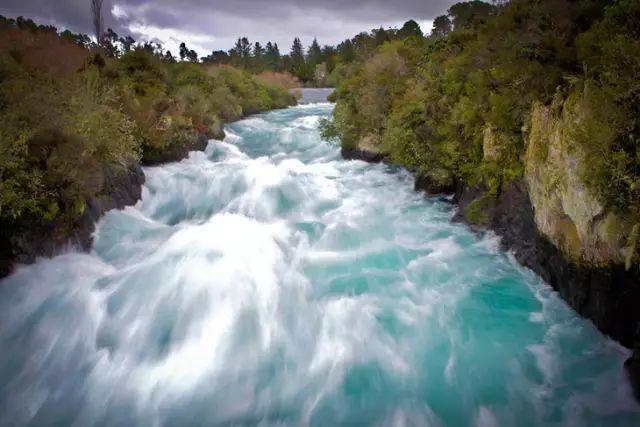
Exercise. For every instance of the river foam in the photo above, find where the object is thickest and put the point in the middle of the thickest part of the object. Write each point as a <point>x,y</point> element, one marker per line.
<point>266,281</point>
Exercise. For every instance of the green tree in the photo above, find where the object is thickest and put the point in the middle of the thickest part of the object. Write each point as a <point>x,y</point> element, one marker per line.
<point>272,56</point>
<point>314,53</point>
<point>381,36</point>
<point>466,14</point>
<point>241,53</point>
<point>109,43</point>
<point>442,26</point>
<point>297,53</point>
<point>127,43</point>
<point>184,51</point>
<point>346,53</point>
<point>217,57</point>
<point>258,62</point>
<point>410,29</point>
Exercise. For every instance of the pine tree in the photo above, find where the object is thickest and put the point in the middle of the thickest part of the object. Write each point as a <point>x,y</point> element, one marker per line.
<point>258,51</point>
<point>297,53</point>
<point>241,53</point>
<point>314,55</point>
<point>442,26</point>
<point>109,43</point>
<point>258,63</point>
<point>272,56</point>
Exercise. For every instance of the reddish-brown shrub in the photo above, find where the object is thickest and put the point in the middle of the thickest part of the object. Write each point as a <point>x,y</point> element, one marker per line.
<point>42,50</point>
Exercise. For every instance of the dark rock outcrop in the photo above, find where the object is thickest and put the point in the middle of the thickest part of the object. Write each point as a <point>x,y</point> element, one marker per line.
<point>175,151</point>
<point>22,243</point>
<point>429,186</point>
<point>366,155</point>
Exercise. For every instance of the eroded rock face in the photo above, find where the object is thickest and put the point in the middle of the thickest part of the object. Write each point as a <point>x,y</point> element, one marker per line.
<point>566,212</point>
<point>492,145</point>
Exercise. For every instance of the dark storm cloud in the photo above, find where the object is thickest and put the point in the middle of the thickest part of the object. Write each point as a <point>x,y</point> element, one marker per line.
<point>215,24</point>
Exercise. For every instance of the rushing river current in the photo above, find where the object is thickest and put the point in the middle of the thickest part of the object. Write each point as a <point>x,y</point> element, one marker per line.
<point>267,281</point>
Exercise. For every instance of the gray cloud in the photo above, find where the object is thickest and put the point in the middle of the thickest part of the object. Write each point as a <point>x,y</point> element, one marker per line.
<point>215,24</point>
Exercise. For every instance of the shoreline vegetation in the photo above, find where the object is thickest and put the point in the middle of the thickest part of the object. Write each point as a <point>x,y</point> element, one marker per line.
<point>529,113</point>
<point>78,121</point>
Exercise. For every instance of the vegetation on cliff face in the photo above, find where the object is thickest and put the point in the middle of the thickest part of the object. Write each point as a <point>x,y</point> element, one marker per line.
<point>71,116</point>
<point>546,90</point>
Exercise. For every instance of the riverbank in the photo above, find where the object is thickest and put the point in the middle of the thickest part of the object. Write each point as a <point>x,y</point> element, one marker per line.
<point>31,238</point>
<point>78,123</point>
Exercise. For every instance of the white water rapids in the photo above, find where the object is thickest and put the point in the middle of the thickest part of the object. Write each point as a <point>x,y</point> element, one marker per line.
<point>266,281</point>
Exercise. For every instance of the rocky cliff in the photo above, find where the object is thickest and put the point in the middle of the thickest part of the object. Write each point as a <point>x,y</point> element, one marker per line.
<point>566,210</point>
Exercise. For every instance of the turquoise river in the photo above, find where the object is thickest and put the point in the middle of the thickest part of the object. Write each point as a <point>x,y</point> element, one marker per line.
<point>267,281</point>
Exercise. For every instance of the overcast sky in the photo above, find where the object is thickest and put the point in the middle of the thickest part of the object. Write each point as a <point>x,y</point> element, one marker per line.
<point>207,25</point>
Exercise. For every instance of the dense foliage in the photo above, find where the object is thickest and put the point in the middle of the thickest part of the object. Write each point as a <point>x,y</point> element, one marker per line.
<point>69,115</point>
<point>456,105</point>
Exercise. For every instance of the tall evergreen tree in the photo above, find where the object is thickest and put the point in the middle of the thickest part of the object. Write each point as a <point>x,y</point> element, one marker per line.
<point>258,63</point>
<point>346,51</point>
<point>314,54</point>
<point>109,43</point>
<point>272,56</point>
<point>241,53</point>
<point>297,53</point>
<point>258,51</point>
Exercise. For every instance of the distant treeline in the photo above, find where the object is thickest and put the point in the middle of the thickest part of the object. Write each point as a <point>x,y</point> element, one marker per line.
<point>315,65</point>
